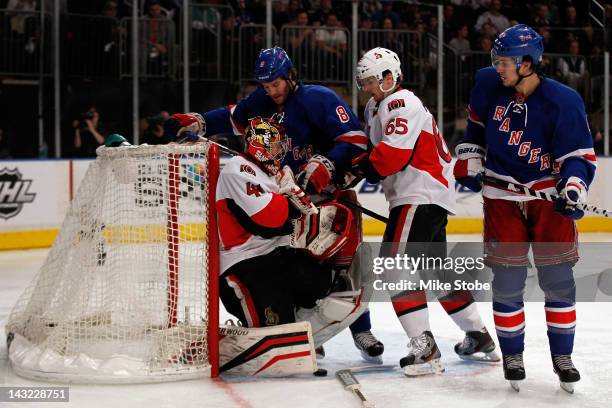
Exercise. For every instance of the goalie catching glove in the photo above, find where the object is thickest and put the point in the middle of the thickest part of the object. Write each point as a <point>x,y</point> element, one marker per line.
<point>191,124</point>
<point>323,234</point>
<point>293,192</point>
<point>317,174</point>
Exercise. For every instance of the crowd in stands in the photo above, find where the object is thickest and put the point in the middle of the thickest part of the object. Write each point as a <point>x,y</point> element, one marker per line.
<point>316,34</point>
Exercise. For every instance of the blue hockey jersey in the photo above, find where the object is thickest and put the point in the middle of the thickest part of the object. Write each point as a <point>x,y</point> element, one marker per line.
<point>316,120</point>
<point>531,141</point>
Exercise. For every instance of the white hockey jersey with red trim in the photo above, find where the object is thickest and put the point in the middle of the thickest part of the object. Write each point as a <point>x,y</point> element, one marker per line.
<point>253,217</point>
<point>409,150</point>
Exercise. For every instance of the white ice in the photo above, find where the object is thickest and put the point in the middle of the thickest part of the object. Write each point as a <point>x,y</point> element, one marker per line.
<point>462,385</point>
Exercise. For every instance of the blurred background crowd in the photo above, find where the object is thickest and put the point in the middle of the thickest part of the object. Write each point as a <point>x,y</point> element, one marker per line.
<point>224,39</point>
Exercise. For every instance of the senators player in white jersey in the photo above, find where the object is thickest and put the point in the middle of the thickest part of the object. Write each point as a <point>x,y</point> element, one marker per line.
<point>263,279</point>
<point>409,157</point>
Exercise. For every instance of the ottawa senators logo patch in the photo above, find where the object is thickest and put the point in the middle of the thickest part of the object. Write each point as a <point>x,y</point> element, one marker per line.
<point>245,168</point>
<point>396,104</point>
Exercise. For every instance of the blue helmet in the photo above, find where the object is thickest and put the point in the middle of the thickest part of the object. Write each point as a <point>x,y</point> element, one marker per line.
<point>518,41</point>
<point>272,63</point>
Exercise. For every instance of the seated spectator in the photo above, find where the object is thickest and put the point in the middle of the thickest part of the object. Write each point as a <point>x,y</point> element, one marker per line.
<point>487,30</point>
<point>498,21</point>
<point>572,68</point>
<point>18,20</point>
<point>460,41</point>
<point>386,12</point>
<point>571,18</point>
<point>88,133</point>
<point>542,16</point>
<point>301,42</point>
<point>320,16</point>
<point>332,43</point>
<point>391,39</point>
<point>450,22</point>
<point>157,39</point>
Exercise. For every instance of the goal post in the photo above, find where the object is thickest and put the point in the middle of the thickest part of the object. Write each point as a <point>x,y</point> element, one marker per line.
<point>129,290</point>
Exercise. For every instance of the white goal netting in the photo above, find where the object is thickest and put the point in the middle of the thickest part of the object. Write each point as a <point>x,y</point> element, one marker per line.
<point>128,291</point>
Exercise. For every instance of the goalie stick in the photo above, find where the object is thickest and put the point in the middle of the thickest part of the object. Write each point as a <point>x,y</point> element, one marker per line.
<point>350,383</point>
<point>347,203</point>
<point>507,185</point>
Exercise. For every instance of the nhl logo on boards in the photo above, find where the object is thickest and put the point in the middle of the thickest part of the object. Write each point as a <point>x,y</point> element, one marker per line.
<point>396,104</point>
<point>13,193</point>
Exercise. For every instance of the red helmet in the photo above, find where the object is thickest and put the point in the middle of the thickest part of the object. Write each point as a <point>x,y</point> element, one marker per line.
<point>266,142</point>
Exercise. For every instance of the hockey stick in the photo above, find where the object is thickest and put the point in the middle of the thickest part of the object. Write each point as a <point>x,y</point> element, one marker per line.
<point>507,185</point>
<point>342,201</point>
<point>350,383</point>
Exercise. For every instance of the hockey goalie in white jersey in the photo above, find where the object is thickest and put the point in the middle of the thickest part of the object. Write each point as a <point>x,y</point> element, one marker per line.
<point>272,260</point>
<point>411,160</point>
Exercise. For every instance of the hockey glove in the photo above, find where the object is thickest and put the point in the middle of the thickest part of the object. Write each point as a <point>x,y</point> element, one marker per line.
<point>293,192</point>
<point>322,235</point>
<point>469,167</point>
<point>193,124</point>
<point>572,191</point>
<point>316,175</point>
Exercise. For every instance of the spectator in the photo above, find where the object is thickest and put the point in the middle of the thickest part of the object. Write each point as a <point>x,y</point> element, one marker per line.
<point>386,12</point>
<point>320,16</point>
<point>18,20</point>
<point>88,133</point>
<point>450,22</point>
<point>571,18</point>
<point>460,41</point>
<point>5,152</point>
<point>487,30</point>
<point>157,39</point>
<point>572,68</point>
<point>391,39</point>
<point>485,44</point>
<point>110,30</point>
<point>154,129</point>
<point>368,8</point>
<point>301,42</point>
<point>542,16</point>
<point>332,44</point>
<point>497,20</point>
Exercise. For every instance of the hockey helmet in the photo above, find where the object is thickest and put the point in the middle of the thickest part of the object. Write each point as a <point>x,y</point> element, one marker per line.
<point>266,142</point>
<point>517,42</point>
<point>272,63</point>
<point>374,64</point>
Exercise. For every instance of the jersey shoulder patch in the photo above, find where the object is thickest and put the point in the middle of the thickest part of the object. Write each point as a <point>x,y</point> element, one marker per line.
<point>396,104</point>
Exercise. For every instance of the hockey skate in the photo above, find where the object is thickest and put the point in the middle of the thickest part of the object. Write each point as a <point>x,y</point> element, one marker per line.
<point>564,368</point>
<point>514,369</point>
<point>477,346</point>
<point>423,357</point>
<point>370,347</point>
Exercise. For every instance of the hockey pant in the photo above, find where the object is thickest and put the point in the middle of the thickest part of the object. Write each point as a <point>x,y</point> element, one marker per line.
<point>410,230</point>
<point>553,239</point>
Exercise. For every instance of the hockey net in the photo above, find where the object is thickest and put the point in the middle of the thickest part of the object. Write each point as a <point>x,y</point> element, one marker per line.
<point>128,292</point>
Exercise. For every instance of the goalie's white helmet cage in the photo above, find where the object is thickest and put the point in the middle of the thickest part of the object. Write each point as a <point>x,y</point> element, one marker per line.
<point>129,290</point>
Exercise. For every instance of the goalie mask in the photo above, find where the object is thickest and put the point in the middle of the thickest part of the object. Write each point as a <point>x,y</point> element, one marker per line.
<point>267,143</point>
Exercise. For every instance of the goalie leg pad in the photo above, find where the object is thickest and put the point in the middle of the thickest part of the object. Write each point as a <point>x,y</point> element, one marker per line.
<point>277,351</point>
<point>331,316</point>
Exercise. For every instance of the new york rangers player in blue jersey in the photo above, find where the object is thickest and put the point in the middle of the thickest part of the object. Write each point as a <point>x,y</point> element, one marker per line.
<point>527,129</point>
<point>325,138</point>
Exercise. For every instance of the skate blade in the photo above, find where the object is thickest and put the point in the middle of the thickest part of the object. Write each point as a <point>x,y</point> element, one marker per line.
<point>371,359</point>
<point>431,367</point>
<point>515,385</point>
<point>490,357</point>
<point>567,387</point>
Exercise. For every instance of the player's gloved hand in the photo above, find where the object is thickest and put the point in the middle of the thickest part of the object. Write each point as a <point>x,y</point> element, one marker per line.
<point>469,167</point>
<point>316,175</point>
<point>179,123</point>
<point>572,191</point>
<point>297,197</point>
